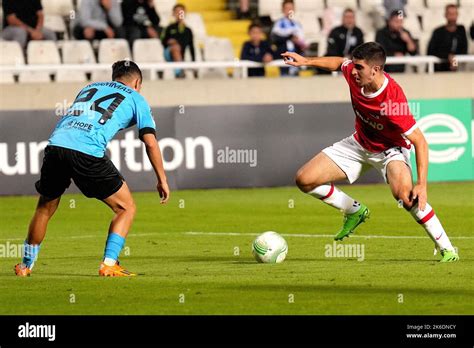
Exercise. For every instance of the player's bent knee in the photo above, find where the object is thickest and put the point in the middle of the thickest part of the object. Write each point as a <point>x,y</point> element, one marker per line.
<point>304,182</point>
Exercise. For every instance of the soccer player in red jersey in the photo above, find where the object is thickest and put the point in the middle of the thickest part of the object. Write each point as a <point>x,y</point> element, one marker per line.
<point>382,139</point>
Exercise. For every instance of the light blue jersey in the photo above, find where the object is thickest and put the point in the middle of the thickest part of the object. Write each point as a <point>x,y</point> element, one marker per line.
<point>99,112</point>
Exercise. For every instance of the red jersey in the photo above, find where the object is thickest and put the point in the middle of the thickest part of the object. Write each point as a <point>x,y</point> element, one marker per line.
<point>383,119</point>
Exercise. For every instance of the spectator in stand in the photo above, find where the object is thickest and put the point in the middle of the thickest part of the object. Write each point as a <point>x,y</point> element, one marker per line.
<point>287,34</point>
<point>244,9</point>
<point>99,19</point>
<point>394,6</point>
<point>23,20</point>
<point>177,37</point>
<point>256,50</point>
<point>396,40</point>
<point>343,39</point>
<point>448,40</point>
<point>140,20</point>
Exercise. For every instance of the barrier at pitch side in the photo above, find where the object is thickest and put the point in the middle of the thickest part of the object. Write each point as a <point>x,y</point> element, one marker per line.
<point>236,145</point>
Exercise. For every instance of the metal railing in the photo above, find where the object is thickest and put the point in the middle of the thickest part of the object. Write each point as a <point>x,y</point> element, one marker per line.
<point>241,66</point>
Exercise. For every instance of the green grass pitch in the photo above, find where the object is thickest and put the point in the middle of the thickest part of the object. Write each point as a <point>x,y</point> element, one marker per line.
<point>205,273</point>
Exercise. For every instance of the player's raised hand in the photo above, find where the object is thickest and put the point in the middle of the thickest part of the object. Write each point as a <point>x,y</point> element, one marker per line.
<point>419,193</point>
<point>294,59</point>
<point>164,192</point>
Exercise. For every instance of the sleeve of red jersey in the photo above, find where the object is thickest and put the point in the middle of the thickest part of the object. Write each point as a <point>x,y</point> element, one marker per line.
<point>346,68</point>
<point>399,114</point>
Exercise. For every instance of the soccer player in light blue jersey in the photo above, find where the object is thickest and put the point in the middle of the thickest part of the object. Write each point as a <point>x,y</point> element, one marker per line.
<point>76,151</point>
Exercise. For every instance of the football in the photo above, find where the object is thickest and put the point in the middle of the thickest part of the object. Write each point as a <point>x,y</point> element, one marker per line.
<point>270,247</point>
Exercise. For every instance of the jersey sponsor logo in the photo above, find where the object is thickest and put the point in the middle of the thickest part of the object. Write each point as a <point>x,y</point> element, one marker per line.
<point>375,125</point>
<point>83,126</point>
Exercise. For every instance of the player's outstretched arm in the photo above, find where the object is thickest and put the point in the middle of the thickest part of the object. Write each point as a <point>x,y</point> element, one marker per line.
<point>326,63</point>
<point>154,154</point>
<point>419,192</point>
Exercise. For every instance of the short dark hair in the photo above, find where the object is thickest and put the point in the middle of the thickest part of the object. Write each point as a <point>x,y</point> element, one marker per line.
<point>125,68</point>
<point>448,6</point>
<point>371,52</point>
<point>254,25</point>
<point>348,9</point>
<point>179,6</point>
<point>287,2</point>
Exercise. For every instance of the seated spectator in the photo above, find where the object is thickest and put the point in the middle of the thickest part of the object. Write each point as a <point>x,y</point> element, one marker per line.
<point>140,20</point>
<point>394,6</point>
<point>287,34</point>
<point>99,19</point>
<point>396,41</point>
<point>256,50</point>
<point>448,40</point>
<point>343,39</point>
<point>177,37</point>
<point>23,20</point>
<point>244,9</point>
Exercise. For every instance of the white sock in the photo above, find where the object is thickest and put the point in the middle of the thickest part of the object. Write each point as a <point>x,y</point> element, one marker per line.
<point>109,262</point>
<point>432,225</point>
<point>331,195</point>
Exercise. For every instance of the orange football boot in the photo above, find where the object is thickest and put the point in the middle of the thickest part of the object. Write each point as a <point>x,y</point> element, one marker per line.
<point>114,271</point>
<point>22,271</point>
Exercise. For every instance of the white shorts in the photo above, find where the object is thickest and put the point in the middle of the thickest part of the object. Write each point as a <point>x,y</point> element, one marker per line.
<point>354,160</point>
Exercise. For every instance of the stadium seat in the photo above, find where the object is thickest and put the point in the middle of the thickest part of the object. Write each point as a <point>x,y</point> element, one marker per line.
<point>150,51</point>
<point>310,23</point>
<point>198,58</point>
<point>11,53</point>
<point>269,7</point>
<point>164,7</point>
<point>217,49</point>
<point>342,3</point>
<point>43,52</point>
<point>307,6</point>
<point>40,53</point>
<point>78,52</point>
<point>415,7</point>
<point>70,76</point>
<point>364,22</point>
<point>196,23</point>
<point>439,3</point>
<point>58,7</point>
<point>432,18</point>
<point>412,24</point>
<point>56,23</point>
<point>112,50</point>
<point>371,5</point>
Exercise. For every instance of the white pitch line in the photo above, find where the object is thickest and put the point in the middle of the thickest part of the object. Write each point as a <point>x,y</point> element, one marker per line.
<point>316,235</point>
<point>299,235</point>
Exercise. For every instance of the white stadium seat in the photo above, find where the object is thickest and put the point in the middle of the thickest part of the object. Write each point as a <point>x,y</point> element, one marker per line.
<point>307,6</point>
<point>440,3</point>
<point>112,50</point>
<point>78,52</point>
<point>342,3</point>
<point>433,18</point>
<point>150,51</point>
<point>269,7</point>
<point>164,7</point>
<point>412,24</point>
<point>217,49</point>
<point>43,52</point>
<point>39,53</point>
<point>58,7</point>
<point>310,24</point>
<point>195,22</point>
<point>371,5</point>
<point>55,23</point>
<point>11,53</point>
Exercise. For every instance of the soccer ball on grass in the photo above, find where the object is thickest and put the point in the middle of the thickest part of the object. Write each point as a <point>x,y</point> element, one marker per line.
<point>269,247</point>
